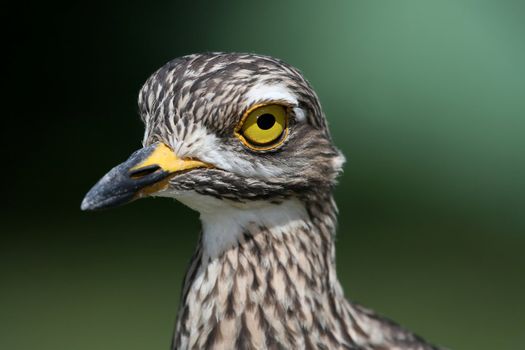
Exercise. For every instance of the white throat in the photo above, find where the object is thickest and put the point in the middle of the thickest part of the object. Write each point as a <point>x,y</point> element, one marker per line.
<point>224,225</point>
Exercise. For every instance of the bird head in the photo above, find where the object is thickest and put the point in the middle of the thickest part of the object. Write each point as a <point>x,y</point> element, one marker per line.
<point>225,129</point>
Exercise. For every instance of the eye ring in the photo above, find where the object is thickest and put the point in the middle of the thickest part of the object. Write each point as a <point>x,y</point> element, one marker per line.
<point>263,127</point>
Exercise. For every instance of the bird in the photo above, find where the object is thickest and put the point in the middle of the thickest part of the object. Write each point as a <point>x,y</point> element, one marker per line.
<point>242,139</point>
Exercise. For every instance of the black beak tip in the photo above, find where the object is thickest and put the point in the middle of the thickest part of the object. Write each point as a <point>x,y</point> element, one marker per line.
<point>92,201</point>
<point>98,199</point>
<point>122,184</point>
<point>88,204</point>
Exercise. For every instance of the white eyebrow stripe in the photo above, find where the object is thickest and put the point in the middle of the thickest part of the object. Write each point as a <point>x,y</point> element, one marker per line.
<point>279,92</point>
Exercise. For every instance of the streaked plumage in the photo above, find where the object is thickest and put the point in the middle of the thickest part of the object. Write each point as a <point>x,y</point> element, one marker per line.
<point>263,275</point>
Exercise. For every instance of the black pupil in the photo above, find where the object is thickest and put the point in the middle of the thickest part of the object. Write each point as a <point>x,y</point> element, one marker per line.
<point>265,121</point>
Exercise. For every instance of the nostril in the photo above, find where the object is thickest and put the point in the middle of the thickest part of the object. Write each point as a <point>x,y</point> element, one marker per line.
<point>145,171</point>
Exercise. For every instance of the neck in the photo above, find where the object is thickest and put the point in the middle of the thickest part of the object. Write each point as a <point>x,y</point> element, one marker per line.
<point>227,229</point>
<point>261,274</point>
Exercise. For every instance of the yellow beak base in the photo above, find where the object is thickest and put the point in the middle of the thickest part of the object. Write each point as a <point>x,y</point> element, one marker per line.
<point>146,172</point>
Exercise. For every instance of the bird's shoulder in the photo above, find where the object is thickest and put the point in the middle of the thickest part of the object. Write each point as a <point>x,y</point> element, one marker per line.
<point>393,336</point>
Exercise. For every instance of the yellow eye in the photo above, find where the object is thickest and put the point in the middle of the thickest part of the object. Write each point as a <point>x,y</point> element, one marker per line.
<point>264,127</point>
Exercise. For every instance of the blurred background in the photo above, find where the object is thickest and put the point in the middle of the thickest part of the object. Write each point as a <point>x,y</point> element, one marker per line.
<point>425,98</point>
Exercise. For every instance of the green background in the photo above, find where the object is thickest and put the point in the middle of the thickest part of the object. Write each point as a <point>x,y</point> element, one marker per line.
<point>425,98</point>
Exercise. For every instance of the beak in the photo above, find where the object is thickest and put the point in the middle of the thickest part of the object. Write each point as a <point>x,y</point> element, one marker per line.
<point>146,172</point>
